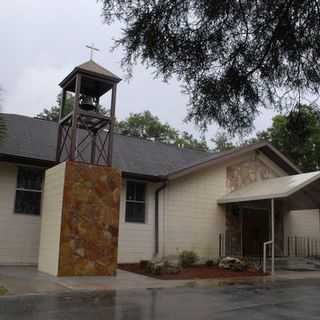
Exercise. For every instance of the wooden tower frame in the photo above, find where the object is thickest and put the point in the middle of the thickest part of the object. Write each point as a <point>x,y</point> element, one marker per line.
<point>87,135</point>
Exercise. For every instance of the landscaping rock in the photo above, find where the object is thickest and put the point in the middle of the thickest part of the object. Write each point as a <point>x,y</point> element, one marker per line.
<point>158,267</point>
<point>254,267</point>
<point>173,261</point>
<point>201,261</point>
<point>169,269</point>
<point>233,264</point>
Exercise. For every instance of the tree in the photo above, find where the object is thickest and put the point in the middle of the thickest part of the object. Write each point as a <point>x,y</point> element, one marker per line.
<point>261,136</point>
<point>52,114</point>
<point>222,142</point>
<point>297,135</point>
<point>186,140</point>
<point>234,57</point>
<point>148,126</point>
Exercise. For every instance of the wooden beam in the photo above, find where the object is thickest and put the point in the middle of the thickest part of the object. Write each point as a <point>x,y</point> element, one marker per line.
<point>94,138</point>
<point>93,147</point>
<point>92,115</point>
<point>63,102</point>
<point>73,147</point>
<point>112,119</point>
<point>59,138</point>
<point>66,118</point>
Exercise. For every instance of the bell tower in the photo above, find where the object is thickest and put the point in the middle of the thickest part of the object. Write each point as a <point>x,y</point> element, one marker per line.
<point>81,194</point>
<point>85,133</point>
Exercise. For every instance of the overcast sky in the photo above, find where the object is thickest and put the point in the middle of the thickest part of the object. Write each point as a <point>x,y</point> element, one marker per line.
<point>42,41</point>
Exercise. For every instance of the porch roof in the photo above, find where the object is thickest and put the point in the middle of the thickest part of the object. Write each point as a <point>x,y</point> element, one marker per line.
<point>281,187</point>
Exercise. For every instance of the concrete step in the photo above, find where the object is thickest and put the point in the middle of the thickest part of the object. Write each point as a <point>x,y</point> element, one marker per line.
<point>292,263</point>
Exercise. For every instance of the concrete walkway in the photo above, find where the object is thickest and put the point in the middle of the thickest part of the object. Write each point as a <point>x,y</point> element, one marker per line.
<point>29,281</point>
<point>279,300</point>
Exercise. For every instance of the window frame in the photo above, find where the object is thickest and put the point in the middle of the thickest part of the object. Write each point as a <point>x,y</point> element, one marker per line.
<point>28,189</point>
<point>136,201</point>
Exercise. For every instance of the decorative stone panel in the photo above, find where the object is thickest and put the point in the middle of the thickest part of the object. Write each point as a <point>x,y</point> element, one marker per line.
<point>90,220</point>
<point>246,172</point>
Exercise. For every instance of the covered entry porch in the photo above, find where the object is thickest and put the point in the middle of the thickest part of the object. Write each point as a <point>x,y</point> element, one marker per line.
<point>255,214</point>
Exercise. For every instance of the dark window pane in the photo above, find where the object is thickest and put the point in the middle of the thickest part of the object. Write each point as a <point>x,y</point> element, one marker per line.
<point>140,187</point>
<point>29,178</point>
<point>130,190</point>
<point>135,212</point>
<point>135,191</point>
<point>28,202</point>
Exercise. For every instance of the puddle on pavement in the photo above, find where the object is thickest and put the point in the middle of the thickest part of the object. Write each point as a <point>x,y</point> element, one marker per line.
<point>217,284</point>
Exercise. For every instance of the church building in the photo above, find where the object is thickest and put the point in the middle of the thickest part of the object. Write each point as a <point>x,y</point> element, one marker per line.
<point>77,198</point>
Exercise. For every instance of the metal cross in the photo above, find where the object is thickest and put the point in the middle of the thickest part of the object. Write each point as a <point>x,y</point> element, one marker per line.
<point>92,49</point>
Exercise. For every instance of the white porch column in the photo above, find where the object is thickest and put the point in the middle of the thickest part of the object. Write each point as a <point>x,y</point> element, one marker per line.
<point>272,242</point>
<point>272,236</point>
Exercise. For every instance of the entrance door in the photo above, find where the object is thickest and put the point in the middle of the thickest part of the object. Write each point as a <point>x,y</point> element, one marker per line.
<point>255,226</point>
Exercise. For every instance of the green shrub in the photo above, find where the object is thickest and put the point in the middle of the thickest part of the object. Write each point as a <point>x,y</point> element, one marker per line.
<point>158,270</point>
<point>188,258</point>
<point>3,291</point>
<point>154,268</point>
<point>149,267</point>
<point>144,264</point>
<point>209,263</point>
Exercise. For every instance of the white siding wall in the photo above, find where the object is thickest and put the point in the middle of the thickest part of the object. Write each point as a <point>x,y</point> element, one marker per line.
<point>51,212</point>
<point>189,218</point>
<point>19,233</point>
<point>302,223</point>
<point>193,220</point>
<point>136,240</point>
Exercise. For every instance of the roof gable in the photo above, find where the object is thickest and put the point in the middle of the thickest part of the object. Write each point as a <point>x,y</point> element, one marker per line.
<point>265,147</point>
<point>91,66</point>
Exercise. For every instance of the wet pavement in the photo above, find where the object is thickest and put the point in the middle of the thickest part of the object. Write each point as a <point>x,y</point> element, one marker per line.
<point>296,299</point>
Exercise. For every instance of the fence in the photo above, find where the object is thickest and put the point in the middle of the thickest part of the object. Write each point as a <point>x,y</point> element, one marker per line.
<point>303,246</point>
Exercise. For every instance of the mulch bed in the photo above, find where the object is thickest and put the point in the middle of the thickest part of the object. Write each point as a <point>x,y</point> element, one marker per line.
<point>196,272</point>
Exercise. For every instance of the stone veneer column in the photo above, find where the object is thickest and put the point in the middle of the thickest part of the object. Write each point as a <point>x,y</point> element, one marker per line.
<point>80,220</point>
<point>233,240</point>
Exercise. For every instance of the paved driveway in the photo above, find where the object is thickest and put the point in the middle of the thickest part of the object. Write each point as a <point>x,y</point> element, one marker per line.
<point>296,299</point>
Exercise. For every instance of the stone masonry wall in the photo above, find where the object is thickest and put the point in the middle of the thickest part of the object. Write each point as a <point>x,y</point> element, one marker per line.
<point>90,220</point>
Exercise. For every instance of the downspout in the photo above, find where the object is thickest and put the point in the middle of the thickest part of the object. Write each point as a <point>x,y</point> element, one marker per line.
<point>156,218</point>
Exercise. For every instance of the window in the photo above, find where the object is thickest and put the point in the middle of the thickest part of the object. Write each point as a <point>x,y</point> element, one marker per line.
<point>135,202</point>
<point>28,191</point>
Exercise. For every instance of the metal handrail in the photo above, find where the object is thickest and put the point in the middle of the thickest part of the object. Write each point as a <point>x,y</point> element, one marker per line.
<point>265,244</point>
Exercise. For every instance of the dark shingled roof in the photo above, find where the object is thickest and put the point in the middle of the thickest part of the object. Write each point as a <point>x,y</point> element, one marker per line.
<point>92,66</point>
<point>35,139</point>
